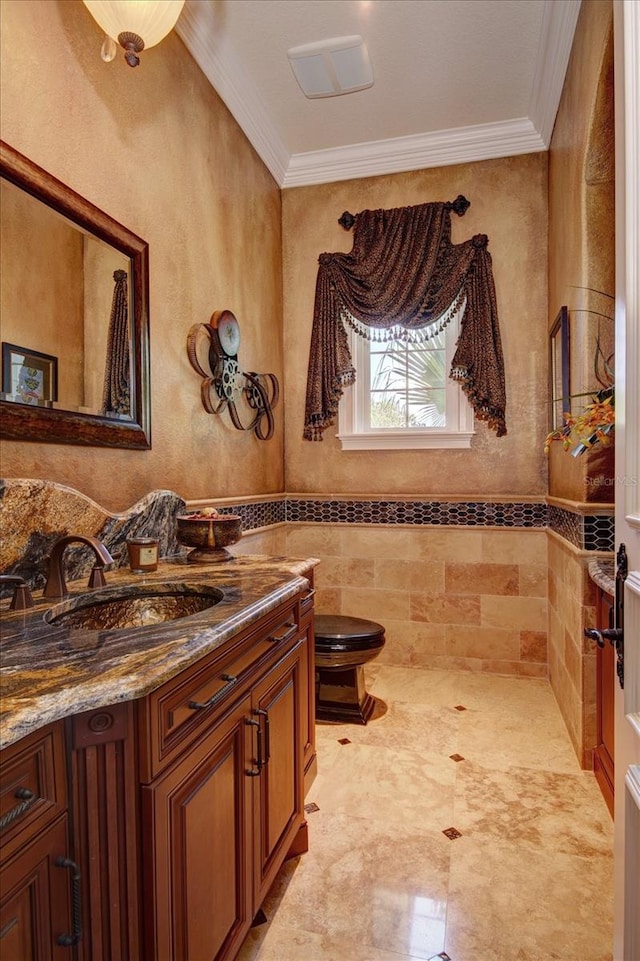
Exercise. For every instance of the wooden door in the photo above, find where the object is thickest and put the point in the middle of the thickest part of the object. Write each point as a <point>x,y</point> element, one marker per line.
<point>197,824</point>
<point>35,905</point>
<point>278,705</point>
<point>627,711</point>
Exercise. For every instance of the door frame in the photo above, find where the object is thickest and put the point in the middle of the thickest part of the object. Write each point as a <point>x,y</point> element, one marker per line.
<point>627,705</point>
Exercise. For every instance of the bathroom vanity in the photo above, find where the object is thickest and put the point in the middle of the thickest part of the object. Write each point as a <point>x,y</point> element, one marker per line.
<point>153,779</point>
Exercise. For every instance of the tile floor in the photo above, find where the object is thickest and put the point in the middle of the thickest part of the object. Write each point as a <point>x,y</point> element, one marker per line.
<point>527,875</point>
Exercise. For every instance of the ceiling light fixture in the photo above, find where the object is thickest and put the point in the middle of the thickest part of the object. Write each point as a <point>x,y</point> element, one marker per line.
<point>331,68</point>
<point>135,24</point>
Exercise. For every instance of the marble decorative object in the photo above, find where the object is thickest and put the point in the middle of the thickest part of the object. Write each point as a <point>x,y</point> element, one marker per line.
<point>35,513</point>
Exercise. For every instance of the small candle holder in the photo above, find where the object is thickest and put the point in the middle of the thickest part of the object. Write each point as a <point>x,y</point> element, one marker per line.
<point>143,554</point>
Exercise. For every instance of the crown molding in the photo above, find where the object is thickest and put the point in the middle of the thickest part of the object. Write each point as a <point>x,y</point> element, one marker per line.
<point>223,70</point>
<point>218,61</point>
<point>439,149</point>
<point>556,39</point>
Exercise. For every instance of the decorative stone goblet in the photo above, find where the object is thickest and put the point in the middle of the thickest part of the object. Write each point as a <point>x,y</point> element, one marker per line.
<point>209,536</point>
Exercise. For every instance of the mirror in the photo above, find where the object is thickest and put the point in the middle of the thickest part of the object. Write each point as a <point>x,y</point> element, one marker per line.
<point>75,323</point>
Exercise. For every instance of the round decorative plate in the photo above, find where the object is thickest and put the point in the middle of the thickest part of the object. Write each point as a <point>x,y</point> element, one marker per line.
<point>228,329</point>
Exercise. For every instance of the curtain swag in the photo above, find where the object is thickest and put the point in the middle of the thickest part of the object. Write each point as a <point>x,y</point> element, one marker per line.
<point>404,277</point>
<point>116,394</point>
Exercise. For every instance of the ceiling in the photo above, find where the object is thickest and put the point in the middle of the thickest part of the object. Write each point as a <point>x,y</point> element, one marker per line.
<point>454,80</point>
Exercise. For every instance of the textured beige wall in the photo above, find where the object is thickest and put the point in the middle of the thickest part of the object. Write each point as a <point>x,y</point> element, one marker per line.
<point>581,221</point>
<point>509,204</point>
<point>581,254</point>
<point>41,306</point>
<point>157,150</point>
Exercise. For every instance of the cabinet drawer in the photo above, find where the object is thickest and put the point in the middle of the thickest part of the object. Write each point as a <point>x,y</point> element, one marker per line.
<point>32,786</point>
<point>179,712</point>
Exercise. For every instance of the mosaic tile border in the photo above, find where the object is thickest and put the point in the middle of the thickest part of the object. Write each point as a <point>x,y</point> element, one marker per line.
<point>444,513</point>
<point>591,532</point>
<point>260,514</point>
<point>588,532</point>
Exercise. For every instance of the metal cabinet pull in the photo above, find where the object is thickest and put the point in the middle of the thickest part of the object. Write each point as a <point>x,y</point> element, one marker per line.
<point>309,595</point>
<point>27,799</point>
<point>290,630</point>
<point>68,940</point>
<point>251,723</point>
<point>215,698</point>
<point>267,737</point>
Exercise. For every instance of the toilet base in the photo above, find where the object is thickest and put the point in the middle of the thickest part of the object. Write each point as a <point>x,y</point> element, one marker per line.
<point>341,695</point>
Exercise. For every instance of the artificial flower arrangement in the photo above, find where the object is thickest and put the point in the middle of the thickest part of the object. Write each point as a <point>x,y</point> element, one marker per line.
<point>596,421</point>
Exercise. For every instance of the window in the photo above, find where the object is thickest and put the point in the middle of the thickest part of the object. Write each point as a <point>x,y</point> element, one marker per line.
<point>403,397</point>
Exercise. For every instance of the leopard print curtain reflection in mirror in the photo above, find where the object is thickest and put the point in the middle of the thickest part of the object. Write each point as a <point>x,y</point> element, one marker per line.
<point>404,278</point>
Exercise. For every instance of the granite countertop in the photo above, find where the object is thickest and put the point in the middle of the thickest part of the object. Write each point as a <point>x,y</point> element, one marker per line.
<point>603,572</point>
<point>50,672</point>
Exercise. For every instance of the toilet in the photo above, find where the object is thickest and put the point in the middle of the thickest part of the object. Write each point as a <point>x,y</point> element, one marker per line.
<point>343,646</point>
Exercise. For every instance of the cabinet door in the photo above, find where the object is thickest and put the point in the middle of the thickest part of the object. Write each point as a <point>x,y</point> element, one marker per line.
<point>35,904</point>
<point>197,824</point>
<point>278,705</point>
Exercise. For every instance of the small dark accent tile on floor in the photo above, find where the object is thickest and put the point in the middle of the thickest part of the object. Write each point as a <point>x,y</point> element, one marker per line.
<point>344,740</point>
<point>452,833</point>
<point>456,757</point>
<point>260,918</point>
<point>459,707</point>
<point>311,808</point>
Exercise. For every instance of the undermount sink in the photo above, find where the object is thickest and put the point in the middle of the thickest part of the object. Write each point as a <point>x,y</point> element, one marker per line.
<point>143,606</point>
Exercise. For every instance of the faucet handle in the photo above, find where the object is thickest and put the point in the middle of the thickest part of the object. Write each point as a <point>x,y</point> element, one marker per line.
<point>97,578</point>
<point>22,599</point>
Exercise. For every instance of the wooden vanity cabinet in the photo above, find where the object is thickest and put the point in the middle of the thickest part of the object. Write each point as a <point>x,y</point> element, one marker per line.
<point>36,922</point>
<point>223,805</point>
<point>178,808</point>
<point>606,680</point>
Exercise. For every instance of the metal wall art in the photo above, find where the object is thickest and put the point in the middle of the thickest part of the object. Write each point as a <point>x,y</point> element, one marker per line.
<point>224,384</point>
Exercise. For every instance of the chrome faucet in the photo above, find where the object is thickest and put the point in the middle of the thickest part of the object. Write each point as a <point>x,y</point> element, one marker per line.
<point>56,585</point>
<point>22,598</point>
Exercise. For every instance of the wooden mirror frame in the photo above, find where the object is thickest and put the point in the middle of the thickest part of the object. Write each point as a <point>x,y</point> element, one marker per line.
<point>25,423</point>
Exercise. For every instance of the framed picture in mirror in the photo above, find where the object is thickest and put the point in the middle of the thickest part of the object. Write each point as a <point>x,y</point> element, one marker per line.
<point>29,376</point>
<point>559,368</point>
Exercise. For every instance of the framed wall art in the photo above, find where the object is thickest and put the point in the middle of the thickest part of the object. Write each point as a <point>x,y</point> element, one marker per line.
<point>29,376</point>
<point>559,367</point>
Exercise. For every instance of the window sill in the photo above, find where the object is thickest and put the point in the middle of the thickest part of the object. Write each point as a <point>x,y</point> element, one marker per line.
<point>407,440</point>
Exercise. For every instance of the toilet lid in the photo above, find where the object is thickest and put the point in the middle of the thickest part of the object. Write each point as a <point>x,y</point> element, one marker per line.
<point>339,627</point>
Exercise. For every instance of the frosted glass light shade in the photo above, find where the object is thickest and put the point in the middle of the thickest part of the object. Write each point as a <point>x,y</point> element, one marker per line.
<point>151,20</point>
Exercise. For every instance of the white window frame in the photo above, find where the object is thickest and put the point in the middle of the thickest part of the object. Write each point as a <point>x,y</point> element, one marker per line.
<point>354,435</point>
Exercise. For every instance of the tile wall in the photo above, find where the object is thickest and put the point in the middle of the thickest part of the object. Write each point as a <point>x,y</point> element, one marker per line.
<point>457,598</point>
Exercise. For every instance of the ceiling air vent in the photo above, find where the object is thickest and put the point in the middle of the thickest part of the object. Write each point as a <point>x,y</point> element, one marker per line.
<point>331,68</point>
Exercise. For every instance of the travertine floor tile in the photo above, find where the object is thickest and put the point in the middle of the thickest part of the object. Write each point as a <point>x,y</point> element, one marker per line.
<point>381,888</point>
<point>500,738</point>
<point>543,809</point>
<point>509,903</point>
<point>410,785</point>
<point>281,943</point>
<point>403,725</point>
